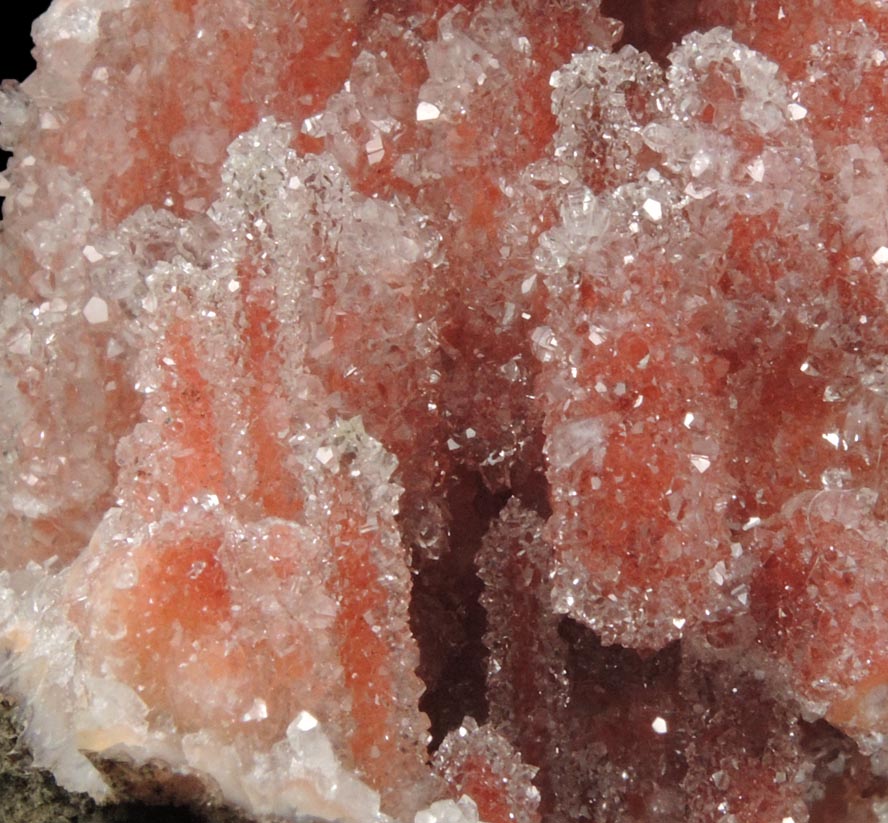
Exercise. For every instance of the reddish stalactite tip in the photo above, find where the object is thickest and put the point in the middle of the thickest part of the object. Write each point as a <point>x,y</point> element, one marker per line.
<point>429,413</point>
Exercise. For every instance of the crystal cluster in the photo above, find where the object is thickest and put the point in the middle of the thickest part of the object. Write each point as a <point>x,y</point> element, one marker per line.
<point>448,413</point>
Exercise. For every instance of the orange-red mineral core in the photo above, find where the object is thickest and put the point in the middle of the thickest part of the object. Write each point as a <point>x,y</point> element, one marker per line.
<point>425,412</point>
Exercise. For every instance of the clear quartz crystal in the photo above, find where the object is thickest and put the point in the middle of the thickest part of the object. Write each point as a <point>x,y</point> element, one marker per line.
<point>450,413</point>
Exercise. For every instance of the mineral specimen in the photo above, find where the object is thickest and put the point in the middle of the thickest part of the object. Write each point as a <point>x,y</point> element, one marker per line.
<point>449,413</point>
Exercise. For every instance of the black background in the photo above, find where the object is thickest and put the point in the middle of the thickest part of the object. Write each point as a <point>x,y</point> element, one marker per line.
<point>15,57</point>
<point>16,62</point>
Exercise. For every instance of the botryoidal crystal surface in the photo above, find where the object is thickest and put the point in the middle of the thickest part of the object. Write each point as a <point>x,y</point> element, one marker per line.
<point>438,413</point>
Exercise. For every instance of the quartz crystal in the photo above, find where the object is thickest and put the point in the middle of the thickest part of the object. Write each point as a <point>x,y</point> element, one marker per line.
<point>440,413</point>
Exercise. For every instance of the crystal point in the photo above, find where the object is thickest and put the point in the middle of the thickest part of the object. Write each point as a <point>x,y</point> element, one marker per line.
<point>450,413</point>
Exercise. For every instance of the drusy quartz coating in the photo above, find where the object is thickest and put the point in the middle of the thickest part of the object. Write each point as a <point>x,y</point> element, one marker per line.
<point>447,413</point>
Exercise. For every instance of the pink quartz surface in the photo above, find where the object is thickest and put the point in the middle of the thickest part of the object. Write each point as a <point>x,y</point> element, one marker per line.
<point>450,413</point>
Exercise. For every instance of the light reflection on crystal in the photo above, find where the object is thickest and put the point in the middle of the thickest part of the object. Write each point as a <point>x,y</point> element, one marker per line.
<point>341,350</point>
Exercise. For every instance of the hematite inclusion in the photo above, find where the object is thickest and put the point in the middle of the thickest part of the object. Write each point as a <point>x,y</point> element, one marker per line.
<point>427,412</point>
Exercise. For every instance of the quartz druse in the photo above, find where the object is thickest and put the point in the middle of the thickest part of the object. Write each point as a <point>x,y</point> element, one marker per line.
<point>438,413</point>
